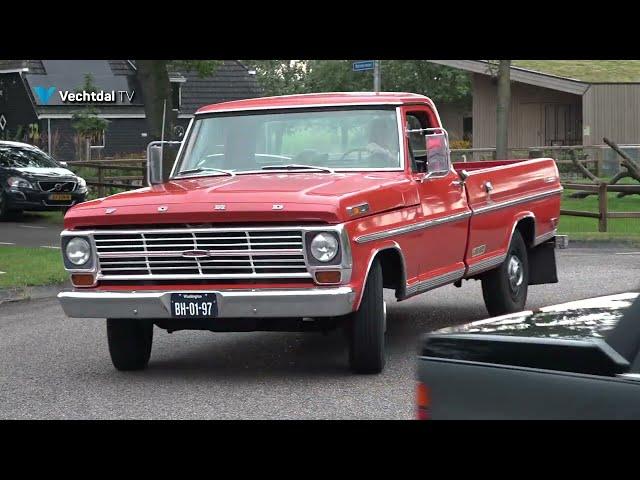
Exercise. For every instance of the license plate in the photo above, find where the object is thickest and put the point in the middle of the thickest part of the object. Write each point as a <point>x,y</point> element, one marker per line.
<point>60,197</point>
<point>194,305</point>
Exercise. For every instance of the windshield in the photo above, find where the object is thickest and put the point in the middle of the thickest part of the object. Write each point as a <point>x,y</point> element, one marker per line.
<point>20,157</point>
<point>329,139</point>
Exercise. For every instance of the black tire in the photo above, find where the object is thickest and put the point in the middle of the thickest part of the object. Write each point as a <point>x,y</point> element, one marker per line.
<point>130,342</point>
<point>505,288</point>
<point>367,327</point>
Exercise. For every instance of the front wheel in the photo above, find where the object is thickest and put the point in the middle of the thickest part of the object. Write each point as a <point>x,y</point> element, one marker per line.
<point>130,342</point>
<point>367,327</point>
<point>505,288</point>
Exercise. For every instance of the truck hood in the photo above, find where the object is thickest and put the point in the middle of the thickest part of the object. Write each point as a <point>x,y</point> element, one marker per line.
<point>270,197</point>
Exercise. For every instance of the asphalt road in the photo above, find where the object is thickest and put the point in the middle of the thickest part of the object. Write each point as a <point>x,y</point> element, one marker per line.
<point>31,230</point>
<point>55,367</point>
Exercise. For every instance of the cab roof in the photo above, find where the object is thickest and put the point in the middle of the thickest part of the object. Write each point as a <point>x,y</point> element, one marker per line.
<point>318,100</point>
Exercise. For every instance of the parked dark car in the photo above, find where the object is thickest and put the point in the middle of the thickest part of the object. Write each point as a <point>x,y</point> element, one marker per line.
<point>579,360</point>
<point>32,180</point>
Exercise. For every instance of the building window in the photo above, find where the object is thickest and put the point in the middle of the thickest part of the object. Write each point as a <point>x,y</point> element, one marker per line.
<point>467,129</point>
<point>176,95</point>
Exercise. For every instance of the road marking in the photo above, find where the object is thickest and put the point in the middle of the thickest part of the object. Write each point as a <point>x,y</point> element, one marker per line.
<point>1,273</point>
<point>31,226</point>
<point>627,253</point>
<point>47,246</point>
<point>6,243</point>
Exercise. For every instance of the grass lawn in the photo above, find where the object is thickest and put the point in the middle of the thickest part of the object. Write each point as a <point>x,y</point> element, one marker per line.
<point>25,267</point>
<point>588,227</point>
<point>45,217</point>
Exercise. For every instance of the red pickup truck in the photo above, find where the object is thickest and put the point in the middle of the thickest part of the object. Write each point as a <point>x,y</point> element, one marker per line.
<point>294,213</point>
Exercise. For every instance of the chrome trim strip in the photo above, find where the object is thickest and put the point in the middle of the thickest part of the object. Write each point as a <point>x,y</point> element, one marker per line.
<point>486,264</point>
<point>310,105</point>
<point>182,147</point>
<point>516,201</point>
<point>544,237</point>
<point>411,228</point>
<point>435,282</point>
<point>292,303</point>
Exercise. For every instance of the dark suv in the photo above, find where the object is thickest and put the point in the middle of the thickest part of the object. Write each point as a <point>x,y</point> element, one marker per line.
<point>32,180</point>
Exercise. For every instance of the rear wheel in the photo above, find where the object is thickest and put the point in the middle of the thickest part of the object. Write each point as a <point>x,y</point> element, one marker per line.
<point>505,288</point>
<point>130,342</point>
<point>367,327</point>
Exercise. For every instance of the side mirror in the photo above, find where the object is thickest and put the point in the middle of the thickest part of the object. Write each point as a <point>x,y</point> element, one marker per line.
<point>63,164</point>
<point>159,162</point>
<point>154,164</point>
<point>437,152</point>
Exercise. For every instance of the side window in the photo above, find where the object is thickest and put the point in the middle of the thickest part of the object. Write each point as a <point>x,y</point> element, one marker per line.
<point>417,145</point>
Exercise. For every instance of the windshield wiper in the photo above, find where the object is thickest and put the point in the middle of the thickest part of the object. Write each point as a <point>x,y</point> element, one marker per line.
<point>205,169</point>
<point>294,166</point>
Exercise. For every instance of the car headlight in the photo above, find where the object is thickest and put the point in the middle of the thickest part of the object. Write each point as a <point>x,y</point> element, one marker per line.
<point>19,182</point>
<point>324,247</point>
<point>78,251</point>
<point>82,183</point>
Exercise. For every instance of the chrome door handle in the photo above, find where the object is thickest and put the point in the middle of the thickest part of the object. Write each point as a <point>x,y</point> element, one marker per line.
<point>488,186</point>
<point>457,183</point>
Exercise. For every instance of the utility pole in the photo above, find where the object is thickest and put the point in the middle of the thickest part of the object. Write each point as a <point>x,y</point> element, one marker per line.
<point>502,108</point>
<point>376,75</point>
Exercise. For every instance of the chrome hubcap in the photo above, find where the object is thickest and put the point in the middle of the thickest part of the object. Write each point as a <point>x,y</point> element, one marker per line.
<point>515,273</point>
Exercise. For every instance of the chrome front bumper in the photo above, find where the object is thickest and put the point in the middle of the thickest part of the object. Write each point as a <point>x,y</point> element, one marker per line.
<point>285,303</point>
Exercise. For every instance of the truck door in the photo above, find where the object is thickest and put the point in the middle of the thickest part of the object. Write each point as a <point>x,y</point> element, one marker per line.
<point>445,215</point>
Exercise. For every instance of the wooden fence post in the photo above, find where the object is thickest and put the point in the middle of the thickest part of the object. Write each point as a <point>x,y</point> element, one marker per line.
<point>100,181</point>
<point>602,207</point>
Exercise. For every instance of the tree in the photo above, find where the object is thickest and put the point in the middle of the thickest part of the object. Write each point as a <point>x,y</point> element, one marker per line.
<point>280,77</point>
<point>153,76</point>
<point>88,126</point>
<point>283,77</point>
<point>502,108</point>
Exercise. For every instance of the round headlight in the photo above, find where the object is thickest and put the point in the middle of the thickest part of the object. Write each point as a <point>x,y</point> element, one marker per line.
<point>78,251</point>
<point>324,247</point>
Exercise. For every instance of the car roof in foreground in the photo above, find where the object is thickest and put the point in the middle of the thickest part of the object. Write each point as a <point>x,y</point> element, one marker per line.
<point>317,100</point>
<point>582,319</point>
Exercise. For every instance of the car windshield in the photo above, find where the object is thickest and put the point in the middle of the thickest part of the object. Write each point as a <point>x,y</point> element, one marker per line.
<point>20,157</point>
<point>325,139</point>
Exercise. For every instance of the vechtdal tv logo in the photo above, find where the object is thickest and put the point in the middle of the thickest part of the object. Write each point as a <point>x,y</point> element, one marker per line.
<point>112,96</point>
<point>44,93</point>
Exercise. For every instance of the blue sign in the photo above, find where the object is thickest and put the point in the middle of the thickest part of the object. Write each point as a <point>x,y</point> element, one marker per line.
<point>364,65</point>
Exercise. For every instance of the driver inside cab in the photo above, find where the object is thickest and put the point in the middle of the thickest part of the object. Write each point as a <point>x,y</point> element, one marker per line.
<point>383,143</point>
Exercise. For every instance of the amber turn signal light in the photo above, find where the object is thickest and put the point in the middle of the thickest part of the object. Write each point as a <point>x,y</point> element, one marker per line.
<point>423,401</point>
<point>328,276</point>
<point>82,279</point>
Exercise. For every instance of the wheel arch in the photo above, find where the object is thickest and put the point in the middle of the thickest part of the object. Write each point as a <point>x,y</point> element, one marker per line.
<point>525,224</point>
<point>394,271</point>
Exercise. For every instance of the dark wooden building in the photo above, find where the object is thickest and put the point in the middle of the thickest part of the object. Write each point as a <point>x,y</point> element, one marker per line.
<point>31,108</point>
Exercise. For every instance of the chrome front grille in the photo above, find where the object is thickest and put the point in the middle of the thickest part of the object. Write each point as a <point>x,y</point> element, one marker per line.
<point>62,186</point>
<point>201,253</point>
